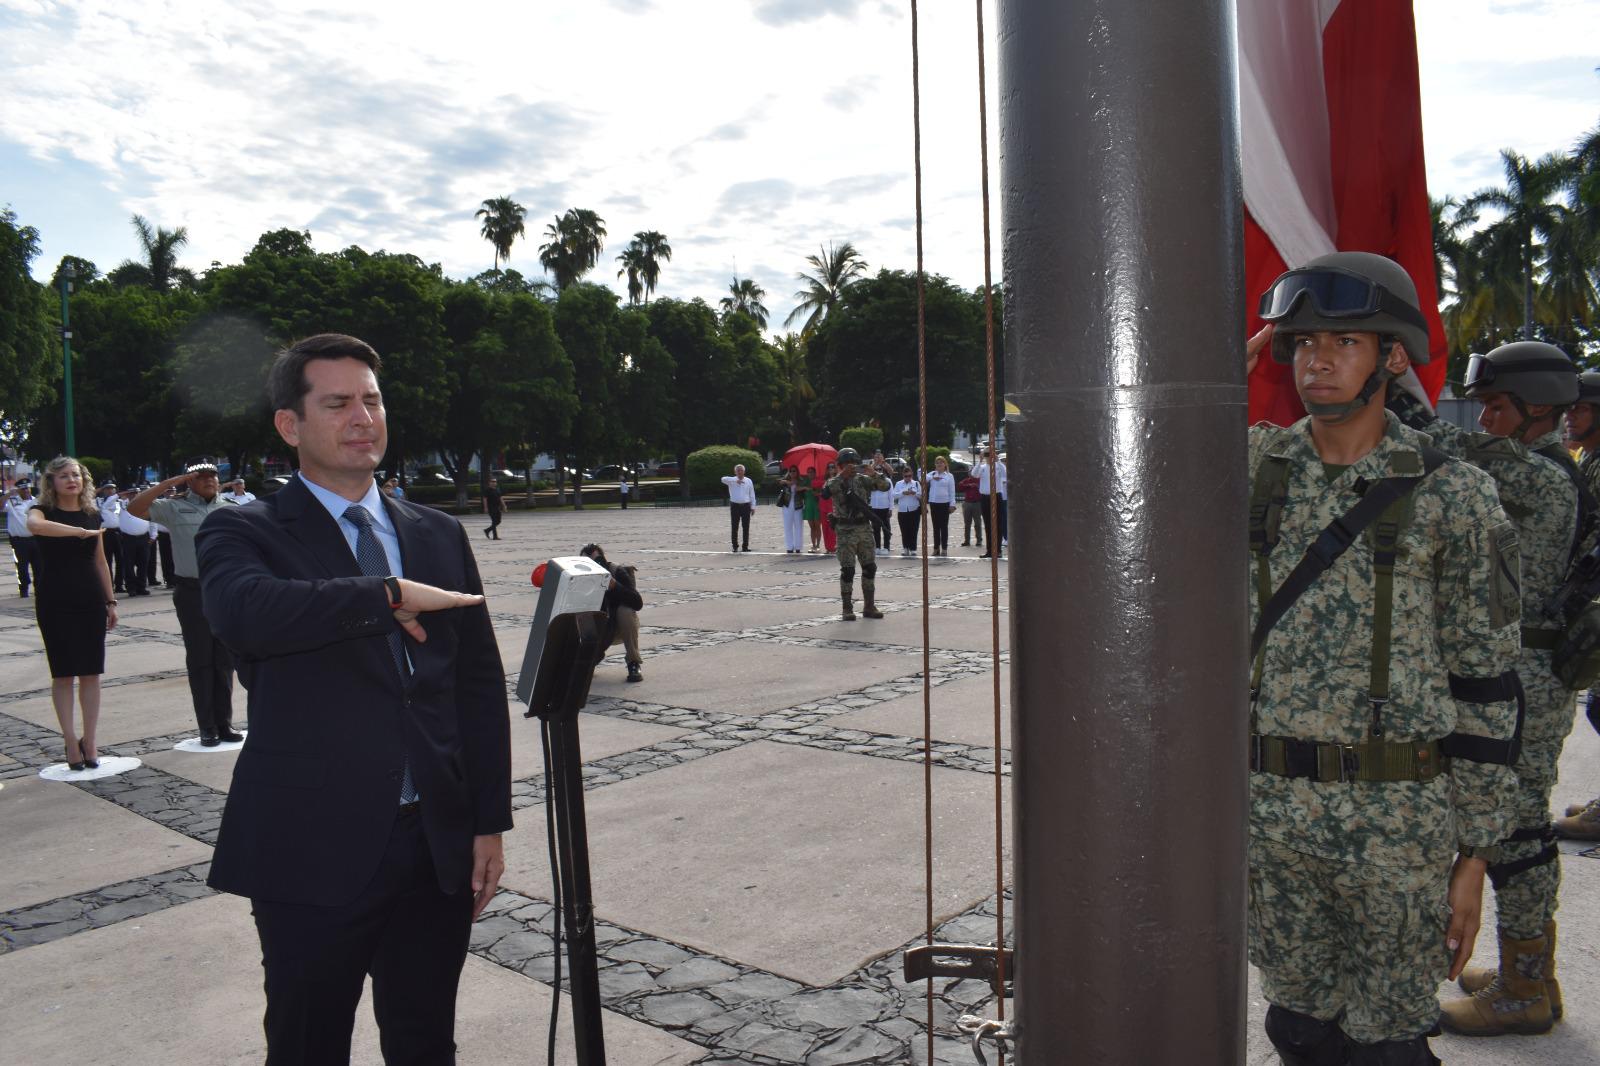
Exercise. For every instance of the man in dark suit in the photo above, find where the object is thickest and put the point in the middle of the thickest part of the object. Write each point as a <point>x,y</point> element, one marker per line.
<point>366,810</point>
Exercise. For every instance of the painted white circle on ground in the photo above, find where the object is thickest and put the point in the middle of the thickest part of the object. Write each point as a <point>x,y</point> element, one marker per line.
<point>110,765</point>
<point>193,744</point>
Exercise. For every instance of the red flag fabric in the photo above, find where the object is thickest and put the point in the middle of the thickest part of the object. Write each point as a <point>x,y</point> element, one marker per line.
<point>1332,163</point>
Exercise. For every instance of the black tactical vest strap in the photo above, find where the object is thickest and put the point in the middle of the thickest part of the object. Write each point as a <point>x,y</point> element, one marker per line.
<point>1588,507</point>
<point>1333,542</point>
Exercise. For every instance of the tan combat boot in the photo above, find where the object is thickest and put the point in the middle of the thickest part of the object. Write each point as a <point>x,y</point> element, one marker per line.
<point>849,613</point>
<point>1581,823</point>
<point>1515,1001</point>
<point>1477,978</point>
<point>868,608</point>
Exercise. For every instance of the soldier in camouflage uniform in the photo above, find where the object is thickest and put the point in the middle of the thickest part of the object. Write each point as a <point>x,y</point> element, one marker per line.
<point>1524,387</point>
<point>852,525</point>
<point>1366,825</point>
<point>1582,821</point>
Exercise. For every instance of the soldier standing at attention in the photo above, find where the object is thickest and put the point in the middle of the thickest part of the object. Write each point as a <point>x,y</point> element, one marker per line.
<point>1525,388</point>
<point>1385,618</point>
<point>1582,821</point>
<point>851,493</point>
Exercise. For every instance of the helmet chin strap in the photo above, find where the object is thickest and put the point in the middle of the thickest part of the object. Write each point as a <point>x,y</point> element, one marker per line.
<point>1339,412</point>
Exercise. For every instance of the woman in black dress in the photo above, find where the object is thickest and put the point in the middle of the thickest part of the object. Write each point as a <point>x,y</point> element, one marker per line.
<point>74,603</point>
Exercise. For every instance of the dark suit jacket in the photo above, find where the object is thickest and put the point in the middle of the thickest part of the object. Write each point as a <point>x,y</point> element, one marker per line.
<point>316,788</point>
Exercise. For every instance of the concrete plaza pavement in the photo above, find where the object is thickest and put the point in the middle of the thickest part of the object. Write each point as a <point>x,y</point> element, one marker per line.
<point>755,816</point>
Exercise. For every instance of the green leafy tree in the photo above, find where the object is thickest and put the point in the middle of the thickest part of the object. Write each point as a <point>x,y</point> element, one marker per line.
<point>502,225</point>
<point>832,269</point>
<point>590,328</point>
<point>864,356</point>
<point>507,373</point>
<point>744,298</point>
<point>159,269</point>
<point>632,260</point>
<point>29,356</point>
<point>702,391</point>
<point>1530,216</point>
<point>795,391</point>
<point>572,247</point>
<point>864,439</point>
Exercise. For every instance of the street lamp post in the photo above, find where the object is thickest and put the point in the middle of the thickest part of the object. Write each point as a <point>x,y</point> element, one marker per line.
<point>67,274</point>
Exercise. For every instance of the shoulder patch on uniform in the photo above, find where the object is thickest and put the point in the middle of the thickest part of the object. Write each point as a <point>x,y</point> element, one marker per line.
<point>1407,463</point>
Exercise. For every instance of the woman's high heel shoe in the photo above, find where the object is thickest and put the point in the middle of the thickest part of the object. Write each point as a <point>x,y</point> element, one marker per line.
<point>92,764</point>
<point>75,766</point>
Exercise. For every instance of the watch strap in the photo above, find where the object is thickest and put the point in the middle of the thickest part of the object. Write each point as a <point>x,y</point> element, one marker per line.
<point>392,586</point>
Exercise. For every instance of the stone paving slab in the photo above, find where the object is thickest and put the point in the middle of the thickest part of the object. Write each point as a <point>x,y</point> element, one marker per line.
<point>204,959</point>
<point>947,628</point>
<point>599,737</point>
<point>127,712</point>
<point>212,769</point>
<point>963,711</point>
<point>735,615</point>
<point>59,840</point>
<point>747,677</point>
<point>802,862</point>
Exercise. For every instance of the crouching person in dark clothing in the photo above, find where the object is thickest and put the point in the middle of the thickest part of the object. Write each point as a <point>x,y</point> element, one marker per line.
<point>622,605</point>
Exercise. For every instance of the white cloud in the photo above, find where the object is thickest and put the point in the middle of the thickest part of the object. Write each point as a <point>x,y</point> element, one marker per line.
<point>748,131</point>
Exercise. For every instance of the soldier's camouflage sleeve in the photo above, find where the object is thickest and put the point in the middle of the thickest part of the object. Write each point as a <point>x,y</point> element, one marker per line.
<point>1478,604</point>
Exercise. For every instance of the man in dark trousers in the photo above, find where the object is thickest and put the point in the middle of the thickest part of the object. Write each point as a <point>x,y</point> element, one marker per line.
<point>494,507</point>
<point>366,810</point>
<point>206,659</point>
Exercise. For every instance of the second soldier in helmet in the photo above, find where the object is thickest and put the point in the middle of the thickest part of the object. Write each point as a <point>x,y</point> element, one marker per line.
<point>851,492</point>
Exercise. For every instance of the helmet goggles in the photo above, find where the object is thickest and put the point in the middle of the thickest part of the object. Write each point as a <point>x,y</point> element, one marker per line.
<point>1334,293</point>
<point>1481,371</point>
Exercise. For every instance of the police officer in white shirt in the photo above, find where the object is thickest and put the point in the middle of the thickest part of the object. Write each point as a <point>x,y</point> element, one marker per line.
<point>907,496</point>
<point>19,501</point>
<point>238,494</point>
<point>741,504</point>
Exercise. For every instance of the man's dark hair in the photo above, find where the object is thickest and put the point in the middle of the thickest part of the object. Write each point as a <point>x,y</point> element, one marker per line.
<point>286,381</point>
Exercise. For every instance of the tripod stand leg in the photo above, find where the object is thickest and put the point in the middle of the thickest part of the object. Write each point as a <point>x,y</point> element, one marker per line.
<point>572,849</point>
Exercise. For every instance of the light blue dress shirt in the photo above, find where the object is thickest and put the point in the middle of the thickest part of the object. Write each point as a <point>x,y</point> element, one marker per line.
<point>381,525</point>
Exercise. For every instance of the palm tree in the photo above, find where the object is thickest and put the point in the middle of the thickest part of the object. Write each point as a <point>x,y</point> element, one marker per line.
<point>745,297</point>
<point>795,389</point>
<point>502,224</point>
<point>573,244</point>
<point>632,260</point>
<point>654,251</point>
<point>160,267</point>
<point>833,270</point>
<point>1528,214</point>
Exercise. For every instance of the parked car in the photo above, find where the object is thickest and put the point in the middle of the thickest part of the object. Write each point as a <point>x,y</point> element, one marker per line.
<point>775,468</point>
<point>610,472</point>
<point>669,469</point>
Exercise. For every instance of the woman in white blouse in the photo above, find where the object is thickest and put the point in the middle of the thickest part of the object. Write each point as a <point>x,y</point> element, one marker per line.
<point>941,497</point>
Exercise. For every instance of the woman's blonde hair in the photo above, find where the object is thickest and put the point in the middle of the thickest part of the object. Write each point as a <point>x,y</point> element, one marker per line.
<point>47,484</point>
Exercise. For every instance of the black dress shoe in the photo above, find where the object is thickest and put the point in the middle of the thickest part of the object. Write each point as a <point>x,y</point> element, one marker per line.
<point>209,742</point>
<point>228,736</point>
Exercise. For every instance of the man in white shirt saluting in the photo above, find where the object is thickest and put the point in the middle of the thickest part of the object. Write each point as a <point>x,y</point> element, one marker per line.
<point>741,504</point>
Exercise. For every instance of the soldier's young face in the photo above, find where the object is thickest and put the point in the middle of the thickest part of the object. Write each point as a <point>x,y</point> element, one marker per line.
<point>1499,415</point>
<point>1580,421</point>
<point>1330,367</point>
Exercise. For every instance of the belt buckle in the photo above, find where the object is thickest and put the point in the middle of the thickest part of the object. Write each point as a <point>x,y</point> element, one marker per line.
<point>1349,763</point>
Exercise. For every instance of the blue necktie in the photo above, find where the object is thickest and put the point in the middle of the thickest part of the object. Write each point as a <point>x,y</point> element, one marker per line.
<point>374,563</point>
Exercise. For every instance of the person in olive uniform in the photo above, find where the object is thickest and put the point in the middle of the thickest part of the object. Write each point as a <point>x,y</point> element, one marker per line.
<point>851,494</point>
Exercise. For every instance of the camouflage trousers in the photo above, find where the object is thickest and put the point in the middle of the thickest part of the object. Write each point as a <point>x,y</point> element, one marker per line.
<point>855,546</point>
<point>1527,900</point>
<point>1349,941</point>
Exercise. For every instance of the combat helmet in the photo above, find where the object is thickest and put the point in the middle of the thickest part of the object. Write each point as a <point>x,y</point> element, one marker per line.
<point>1527,371</point>
<point>1347,292</point>
<point>847,456</point>
<point>1589,389</point>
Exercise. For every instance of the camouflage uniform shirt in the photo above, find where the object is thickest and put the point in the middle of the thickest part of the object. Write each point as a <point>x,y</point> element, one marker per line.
<point>1456,611</point>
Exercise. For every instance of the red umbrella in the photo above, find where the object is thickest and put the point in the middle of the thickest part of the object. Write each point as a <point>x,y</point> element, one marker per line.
<point>810,457</point>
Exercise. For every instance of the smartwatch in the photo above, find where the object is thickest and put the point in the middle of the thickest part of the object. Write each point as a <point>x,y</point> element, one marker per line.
<point>392,586</point>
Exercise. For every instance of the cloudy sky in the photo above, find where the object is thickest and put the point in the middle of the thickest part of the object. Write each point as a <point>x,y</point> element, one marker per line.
<point>748,131</point>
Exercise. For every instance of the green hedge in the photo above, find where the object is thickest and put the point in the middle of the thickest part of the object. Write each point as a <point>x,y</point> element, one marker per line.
<point>708,466</point>
<point>864,439</point>
<point>934,451</point>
